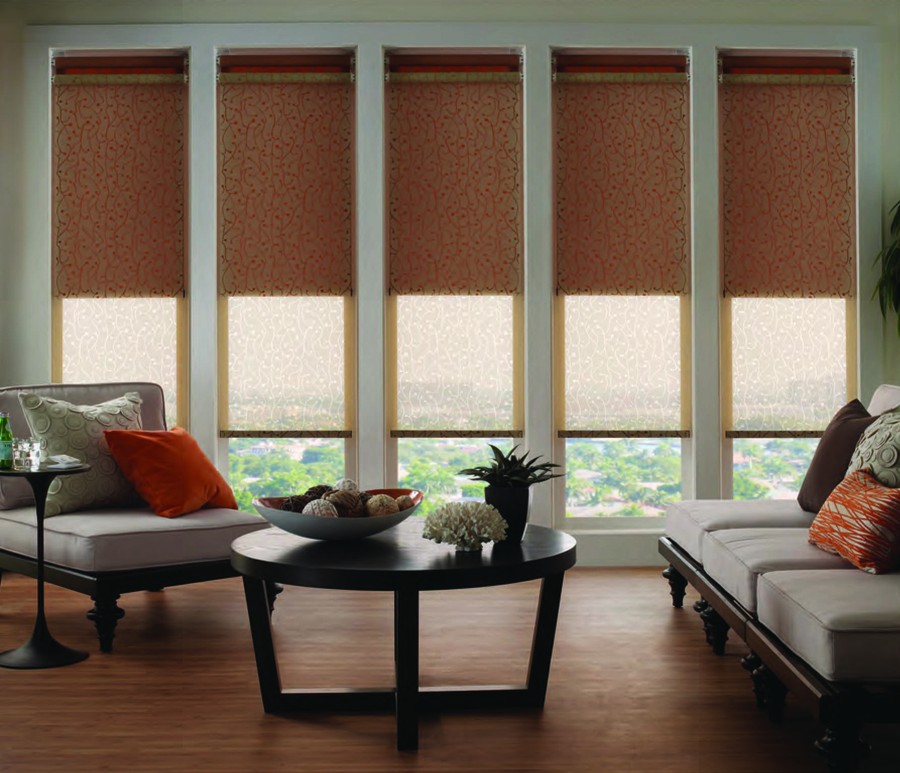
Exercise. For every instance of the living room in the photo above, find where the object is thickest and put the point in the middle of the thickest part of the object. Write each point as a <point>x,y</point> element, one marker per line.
<point>664,381</point>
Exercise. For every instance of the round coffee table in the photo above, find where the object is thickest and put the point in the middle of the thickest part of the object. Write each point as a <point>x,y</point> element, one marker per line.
<point>41,650</point>
<point>400,560</point>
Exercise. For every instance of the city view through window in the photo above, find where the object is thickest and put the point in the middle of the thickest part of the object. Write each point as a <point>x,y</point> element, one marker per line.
<point>621,477</point>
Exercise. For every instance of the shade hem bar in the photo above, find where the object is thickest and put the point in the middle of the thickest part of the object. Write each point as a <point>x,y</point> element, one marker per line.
<point>763,434</point>
<point>623,433</point>
<point>285,433</point>
<point>456,433</point>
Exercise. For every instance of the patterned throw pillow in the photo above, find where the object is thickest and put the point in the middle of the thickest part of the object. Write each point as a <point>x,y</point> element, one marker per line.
<point>878,449</point>
<point>77,430</point>
<point>860,521</point>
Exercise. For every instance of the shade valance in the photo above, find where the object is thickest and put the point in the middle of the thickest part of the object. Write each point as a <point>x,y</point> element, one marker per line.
<point>285,179</point>
<point>118,179</point>
<point>455,177</point>
<point>788,179</point>
<point>622,176</point>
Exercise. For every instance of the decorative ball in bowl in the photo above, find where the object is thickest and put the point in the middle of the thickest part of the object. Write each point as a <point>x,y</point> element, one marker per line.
<point>325,521</point>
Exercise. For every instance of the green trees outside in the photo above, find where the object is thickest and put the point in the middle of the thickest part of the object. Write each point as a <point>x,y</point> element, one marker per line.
<point>771,467</point>
<point>261,468</point>
<point>622,477</point>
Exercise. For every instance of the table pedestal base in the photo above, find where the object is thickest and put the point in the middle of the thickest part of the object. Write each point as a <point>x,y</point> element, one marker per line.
<point>407,698</point>
<point>41,651</point>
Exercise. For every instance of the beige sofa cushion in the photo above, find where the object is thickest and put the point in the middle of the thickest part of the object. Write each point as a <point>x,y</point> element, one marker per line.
<point>884,398</point>
<point>687,522</point>
<point>112,540</point>
<point>735,558</point>
<point>845,624</point>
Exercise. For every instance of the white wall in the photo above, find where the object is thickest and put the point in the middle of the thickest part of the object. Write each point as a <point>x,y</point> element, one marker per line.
<point>28,360</point>
<point>11,255</point>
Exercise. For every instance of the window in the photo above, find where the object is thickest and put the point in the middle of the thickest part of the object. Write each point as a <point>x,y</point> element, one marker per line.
<point>788,186</point>
<point>118,222</point>
<point>285,269</point>
<point>622,259</point>
<point>455,264</point>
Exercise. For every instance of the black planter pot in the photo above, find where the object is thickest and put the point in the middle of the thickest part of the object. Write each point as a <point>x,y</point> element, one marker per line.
<point>512,504</point>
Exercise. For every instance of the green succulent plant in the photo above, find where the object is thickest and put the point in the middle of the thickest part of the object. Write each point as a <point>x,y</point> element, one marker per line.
<point>888,286</point>
<point>511,471</point>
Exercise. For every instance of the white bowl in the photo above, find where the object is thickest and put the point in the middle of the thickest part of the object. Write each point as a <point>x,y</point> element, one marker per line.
<point>318,527</point>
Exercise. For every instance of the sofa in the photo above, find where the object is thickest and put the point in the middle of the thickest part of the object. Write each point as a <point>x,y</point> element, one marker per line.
<point>109,551</point>
<point>817,628</point>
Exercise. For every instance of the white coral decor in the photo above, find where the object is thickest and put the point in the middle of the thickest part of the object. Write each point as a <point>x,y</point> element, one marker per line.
<point>465,524</point>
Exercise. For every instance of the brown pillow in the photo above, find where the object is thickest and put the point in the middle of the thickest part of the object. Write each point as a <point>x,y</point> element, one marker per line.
<point>829,463</point>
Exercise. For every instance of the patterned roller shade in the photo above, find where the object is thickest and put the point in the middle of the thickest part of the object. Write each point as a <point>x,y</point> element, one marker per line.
<point>788,183</point>
<point>285,183</point>
<point>118,184</point>
<point>622,179</point>
<point>455,181</point>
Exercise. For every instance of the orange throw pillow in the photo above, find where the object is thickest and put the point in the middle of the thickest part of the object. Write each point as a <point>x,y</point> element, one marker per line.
<point>860,521</point>
<point>169,470</point>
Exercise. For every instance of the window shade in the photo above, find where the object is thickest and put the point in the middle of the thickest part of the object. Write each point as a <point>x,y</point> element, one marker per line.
<point>455,175</point>
<point>622,175</point>
<point>118,170</point>
<point>788,177</point>
<point>285,175</point>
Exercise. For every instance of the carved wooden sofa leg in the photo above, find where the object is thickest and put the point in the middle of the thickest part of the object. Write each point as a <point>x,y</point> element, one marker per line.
<point>105,615</point>
<point>699,605</point>
<point>841,745</point>
<point>272,590</point>
<point>677,585</point>
<point>716,630</point>
<point>769,691</point>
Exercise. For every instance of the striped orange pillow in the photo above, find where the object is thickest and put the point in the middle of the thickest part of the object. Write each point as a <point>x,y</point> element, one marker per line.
<point>860,521</point>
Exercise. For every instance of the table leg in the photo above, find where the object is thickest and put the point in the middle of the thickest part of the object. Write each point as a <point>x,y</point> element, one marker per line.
<point>542,643</point>
<point>41,650</point>
<point>406,663</point>
<point>263,644</point>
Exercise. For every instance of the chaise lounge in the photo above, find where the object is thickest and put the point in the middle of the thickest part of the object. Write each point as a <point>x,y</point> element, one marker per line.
<point>105,552</point>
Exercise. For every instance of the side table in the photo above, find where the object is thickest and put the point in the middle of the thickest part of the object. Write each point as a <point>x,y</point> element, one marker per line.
<point>41,650</point>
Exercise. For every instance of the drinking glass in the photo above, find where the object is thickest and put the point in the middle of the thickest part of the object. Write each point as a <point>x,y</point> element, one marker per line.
<point>27,453</point>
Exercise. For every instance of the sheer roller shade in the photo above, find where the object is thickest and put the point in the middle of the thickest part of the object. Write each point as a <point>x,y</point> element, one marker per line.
<point>622,175</point>
<point>788,177</point>
<point>285,175</point>
<point>285,144</point>
<point>622,244</point>
<point>455,175</point>
<point>118,170</point>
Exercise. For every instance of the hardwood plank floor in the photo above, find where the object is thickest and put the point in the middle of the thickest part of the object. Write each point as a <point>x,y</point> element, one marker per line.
<point>633,686</point>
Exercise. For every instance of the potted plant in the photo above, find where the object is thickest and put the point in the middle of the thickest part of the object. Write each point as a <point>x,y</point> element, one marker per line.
<point>509,478</point>
<point>888,285</point>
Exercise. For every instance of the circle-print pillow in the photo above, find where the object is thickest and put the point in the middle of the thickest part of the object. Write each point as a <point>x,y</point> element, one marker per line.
<point>879,450</point>
<point>77,430</point>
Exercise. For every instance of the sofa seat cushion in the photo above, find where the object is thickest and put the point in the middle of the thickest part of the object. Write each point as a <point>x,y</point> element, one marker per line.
<point>735,558</point>
<point>687,522</point>
<point>111,540</point>
<point>844,624</point>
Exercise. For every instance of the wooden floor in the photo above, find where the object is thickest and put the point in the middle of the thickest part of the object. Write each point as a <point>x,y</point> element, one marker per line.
<point>633,686</point>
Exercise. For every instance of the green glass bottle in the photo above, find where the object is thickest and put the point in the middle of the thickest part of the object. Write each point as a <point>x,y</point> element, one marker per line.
<point>6,442</point>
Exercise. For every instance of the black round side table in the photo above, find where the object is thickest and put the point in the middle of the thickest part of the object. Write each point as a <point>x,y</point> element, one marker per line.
<point>41,650</point>
<point>400,560</point>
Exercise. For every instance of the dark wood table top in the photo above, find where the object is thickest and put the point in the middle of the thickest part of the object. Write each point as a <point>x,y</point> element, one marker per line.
<point>43,471</point>
<point>399,558</point>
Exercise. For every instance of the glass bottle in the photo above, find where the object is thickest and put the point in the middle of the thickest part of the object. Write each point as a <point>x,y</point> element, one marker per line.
<point>6,442</point>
